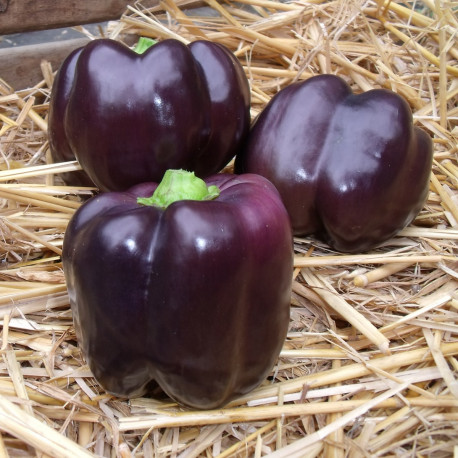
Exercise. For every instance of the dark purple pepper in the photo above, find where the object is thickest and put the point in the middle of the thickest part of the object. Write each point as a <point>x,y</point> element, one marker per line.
<point>351,169</point>
<point>128,117</point>
<point>194,296</point>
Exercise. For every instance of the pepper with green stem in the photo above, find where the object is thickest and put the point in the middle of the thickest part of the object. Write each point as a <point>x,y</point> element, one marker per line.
<point>129,115</point>
<point>186,284</point>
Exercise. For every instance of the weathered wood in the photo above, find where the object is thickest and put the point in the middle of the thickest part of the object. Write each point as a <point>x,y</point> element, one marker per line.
<point>25,15</point>
<point>20,67</point>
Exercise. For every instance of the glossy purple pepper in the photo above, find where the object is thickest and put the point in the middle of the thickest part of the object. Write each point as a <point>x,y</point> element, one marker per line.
<point>128,117</point>
<point>194,296</point>
<point>351,169</point>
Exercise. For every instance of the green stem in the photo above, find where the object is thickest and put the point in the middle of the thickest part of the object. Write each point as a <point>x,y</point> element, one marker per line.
<point>143,44</point>
<point>179,185</point>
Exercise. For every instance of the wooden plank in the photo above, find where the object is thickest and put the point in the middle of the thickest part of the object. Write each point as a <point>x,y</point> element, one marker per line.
<point>26,15</point>
<point>20,67</point>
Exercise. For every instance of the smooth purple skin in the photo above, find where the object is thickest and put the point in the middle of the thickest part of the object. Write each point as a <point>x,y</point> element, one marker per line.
<point>130,117</point>
<point>230,105</point>
<point>351,169</point>
<point>58,143</point>
<point>195,297</point>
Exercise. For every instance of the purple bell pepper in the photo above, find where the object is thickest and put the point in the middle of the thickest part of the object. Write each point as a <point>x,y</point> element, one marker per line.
<point>189,288</point>
<point>129,116</point>
<point>351,169</point>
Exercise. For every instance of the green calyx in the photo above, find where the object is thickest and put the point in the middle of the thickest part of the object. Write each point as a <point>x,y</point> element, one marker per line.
<point>179,185</point>
<point>143,44</point>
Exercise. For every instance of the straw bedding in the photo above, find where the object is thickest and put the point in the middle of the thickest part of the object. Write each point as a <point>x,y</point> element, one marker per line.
<point>370,364</point>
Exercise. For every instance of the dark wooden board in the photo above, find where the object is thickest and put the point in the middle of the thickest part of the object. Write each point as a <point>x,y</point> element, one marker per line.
<point>26,15</point>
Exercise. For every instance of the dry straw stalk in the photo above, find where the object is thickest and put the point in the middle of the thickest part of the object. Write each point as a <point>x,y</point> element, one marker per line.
<point>370,362</point>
